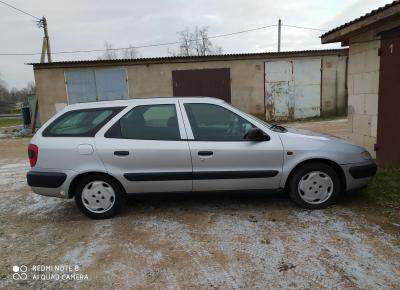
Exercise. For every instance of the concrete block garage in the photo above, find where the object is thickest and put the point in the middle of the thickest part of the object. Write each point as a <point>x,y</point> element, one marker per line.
<point>373,80</point>
<point>285,85</point>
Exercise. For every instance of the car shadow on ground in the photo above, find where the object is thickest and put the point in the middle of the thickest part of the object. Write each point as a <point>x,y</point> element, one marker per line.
<point>205,201</point>
<point>225,201</point>
<point>167,203</point>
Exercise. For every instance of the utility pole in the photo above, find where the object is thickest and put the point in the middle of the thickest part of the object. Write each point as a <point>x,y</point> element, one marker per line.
<point>42,23</point>
<point>279,34</point>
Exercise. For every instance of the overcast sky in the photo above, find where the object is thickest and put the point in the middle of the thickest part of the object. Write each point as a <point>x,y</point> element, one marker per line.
<point>86,24</point>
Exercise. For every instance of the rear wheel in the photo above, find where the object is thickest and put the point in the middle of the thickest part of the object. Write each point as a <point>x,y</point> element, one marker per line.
<point>99,196</point>
<point>314,185</point>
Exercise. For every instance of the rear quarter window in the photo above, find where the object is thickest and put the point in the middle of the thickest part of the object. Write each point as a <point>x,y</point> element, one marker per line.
<point>81,123</point>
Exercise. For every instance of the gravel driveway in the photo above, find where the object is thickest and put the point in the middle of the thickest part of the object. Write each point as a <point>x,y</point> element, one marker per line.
<point>179,241</point>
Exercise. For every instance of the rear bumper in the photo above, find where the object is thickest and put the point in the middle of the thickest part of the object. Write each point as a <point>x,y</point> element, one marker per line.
<point>358,175</point>
<point>45,179</point>
<point>50,183</point>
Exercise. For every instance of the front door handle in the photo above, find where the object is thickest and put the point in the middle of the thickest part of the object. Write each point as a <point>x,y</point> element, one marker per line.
<point>121,153</point>
<point>205,153</point>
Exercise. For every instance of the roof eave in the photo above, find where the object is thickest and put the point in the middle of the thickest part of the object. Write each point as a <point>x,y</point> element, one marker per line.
<point>227,57</point>
<point>343,34</point>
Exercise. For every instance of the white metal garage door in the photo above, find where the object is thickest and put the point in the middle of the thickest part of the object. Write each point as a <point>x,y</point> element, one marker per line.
<point>96,85</point>
<point>293,88</point>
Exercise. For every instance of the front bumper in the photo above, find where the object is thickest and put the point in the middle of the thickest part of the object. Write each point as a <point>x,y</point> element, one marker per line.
<point>363,171</point>
<point>50,183</point>
<point>358,175</point>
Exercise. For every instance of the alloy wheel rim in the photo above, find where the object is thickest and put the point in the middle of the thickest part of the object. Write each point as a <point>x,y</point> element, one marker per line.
<point>315,187</point>
<point>98,196</point>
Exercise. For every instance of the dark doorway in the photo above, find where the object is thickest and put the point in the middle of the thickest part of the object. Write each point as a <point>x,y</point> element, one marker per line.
<point>388,143</point>
<point>202,82</point>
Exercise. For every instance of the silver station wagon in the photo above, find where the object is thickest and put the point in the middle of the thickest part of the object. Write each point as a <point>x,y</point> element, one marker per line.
<point>100,152</point>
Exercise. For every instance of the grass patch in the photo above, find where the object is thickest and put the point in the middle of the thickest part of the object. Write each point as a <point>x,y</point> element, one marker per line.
<point>384,189</point>
<point>10,122</point>
<point>381,197</point>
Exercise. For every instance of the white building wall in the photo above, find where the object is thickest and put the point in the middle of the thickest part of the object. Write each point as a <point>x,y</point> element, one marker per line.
<point>363,88</point>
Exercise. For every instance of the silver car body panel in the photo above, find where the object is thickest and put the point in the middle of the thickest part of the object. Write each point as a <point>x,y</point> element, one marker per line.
<point>238,156</point>
<point>146,156</point>
<point>306,145</point>
<point>280,155</point>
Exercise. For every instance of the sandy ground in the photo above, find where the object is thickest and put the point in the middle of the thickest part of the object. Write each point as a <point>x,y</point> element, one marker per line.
<point>179,241</point>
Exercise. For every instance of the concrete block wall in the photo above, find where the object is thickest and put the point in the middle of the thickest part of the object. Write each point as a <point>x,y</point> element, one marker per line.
<point>363,88</point>
<point>50,91</point>
<point>150,80</point>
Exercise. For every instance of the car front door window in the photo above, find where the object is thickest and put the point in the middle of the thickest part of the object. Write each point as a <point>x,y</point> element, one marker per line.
<point>211,122</point>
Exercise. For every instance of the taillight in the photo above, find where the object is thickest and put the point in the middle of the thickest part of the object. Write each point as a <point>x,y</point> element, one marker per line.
<point>33,152</point>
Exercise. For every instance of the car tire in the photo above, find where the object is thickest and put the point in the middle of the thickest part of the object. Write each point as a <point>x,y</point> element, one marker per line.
<point>99,196</point>
<point>314,185</point>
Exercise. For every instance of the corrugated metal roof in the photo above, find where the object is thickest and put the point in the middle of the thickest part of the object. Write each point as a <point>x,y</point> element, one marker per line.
<point>372,13</point>
<point>168,59</point>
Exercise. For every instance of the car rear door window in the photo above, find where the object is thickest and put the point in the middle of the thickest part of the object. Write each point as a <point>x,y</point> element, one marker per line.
<point>80,123</point>
<point>211,122</point>
<point>149,122</point>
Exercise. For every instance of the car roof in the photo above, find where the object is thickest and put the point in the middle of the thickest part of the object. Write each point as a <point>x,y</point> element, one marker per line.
<point>130,102</point>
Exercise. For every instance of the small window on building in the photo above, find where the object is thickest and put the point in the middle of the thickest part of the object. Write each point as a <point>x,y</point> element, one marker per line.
<point>80,123</point>
<point>152,122</point>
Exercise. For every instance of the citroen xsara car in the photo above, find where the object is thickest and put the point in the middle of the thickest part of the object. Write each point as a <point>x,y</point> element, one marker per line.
<point>99,152</point>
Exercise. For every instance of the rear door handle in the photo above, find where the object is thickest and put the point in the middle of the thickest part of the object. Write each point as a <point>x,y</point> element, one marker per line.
<point>205,153</point>
<point>121,153</point>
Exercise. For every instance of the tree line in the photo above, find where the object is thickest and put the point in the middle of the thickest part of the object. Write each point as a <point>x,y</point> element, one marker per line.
<point>10,98</point>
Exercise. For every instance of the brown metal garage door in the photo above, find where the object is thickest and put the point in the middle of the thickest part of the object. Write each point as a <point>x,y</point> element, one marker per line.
<point>202,82</point>
<point>388,149</point>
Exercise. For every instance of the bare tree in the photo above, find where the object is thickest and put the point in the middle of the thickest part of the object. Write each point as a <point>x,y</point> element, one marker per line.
<point>31,88</point>
<point>203,45</point>
<point>172,52</point>
<point>196,42</point>
<point>186,46</point>
<point>110,52</point>
<point>130,52</point>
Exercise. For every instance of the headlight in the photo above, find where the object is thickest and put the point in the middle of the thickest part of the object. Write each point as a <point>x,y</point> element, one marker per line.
<point>365,155</point>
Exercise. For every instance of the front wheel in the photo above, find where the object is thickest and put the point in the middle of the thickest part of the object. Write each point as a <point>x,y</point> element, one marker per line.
<point>99,196</point>
<point>314,185</point>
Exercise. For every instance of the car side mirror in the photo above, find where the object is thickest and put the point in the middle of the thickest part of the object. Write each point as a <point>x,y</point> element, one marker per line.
<point>256,134</point>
